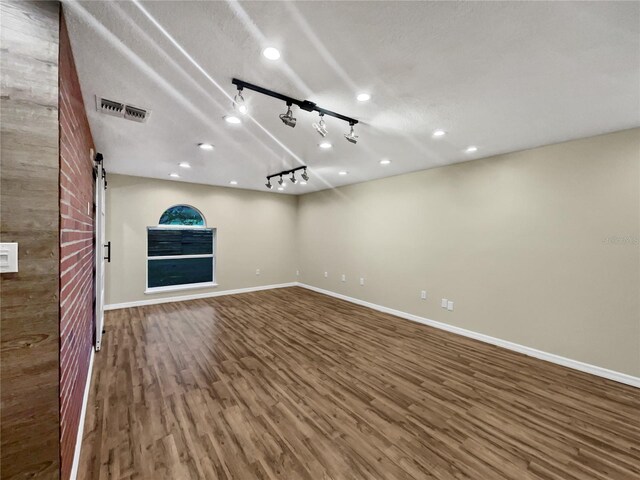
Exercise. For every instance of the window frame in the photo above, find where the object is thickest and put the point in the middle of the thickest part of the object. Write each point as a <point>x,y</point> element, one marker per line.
<point>186,286</point>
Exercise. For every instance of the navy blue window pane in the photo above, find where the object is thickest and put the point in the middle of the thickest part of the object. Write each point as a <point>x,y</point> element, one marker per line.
<point>179,271</point>
<point>165,242</point>
<point>182,215</point>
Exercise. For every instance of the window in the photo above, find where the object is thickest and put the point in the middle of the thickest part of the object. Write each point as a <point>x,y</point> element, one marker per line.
<point>182,215</point>
<point>180,251</point>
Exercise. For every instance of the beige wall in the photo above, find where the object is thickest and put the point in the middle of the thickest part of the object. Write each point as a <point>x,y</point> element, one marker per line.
<point>254,230</point>
<point>538,247</point>
<point>522,243</point>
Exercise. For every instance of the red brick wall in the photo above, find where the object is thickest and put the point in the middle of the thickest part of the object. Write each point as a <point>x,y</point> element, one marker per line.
<point>76,251</point>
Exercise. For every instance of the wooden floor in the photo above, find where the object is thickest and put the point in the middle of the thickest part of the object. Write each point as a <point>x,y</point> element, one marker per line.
<point>291,384</point>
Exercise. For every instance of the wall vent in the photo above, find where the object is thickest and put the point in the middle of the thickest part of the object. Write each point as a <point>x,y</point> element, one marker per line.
<point>136,114</point>
<point>118,109</point>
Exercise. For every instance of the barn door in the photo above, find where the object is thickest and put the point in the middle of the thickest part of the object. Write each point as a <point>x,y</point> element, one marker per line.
<point>103,250</point>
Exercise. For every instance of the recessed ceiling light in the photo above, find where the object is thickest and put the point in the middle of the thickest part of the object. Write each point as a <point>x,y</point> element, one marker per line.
<point>184,165</point>
<point>233,182</point>
<point>438,133</point>
<point>174,175</point>
<point>342,172</point>
<point>205,146</point>
<point>232,119</point>
<point>385,161</point>
<point>325,145</point>
<point>281,188</point>
<point>471,149</point>
<point>271,53</point>
<point>363,97</point>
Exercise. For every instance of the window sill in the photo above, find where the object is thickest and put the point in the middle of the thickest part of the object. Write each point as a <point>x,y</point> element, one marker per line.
<point>179,288</point>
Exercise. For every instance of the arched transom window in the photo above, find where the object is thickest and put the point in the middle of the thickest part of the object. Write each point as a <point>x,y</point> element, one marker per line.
<point>182,215</point>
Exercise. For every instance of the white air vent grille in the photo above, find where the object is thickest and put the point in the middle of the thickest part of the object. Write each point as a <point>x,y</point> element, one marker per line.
<point>134,113</point>
<point>110,107</point>
<point>118,109</point>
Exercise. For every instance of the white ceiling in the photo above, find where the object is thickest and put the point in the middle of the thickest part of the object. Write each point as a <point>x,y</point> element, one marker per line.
<point>503,76</point>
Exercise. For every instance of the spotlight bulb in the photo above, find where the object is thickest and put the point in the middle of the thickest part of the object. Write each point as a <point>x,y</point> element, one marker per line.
<point>268,184</point>
<point>287,118</point>
<point>321,127</point>
<point>239,103</point>
<point>293,177</point>
<point>281,182</point>
<point>351,136</point>
<point>304,176</point>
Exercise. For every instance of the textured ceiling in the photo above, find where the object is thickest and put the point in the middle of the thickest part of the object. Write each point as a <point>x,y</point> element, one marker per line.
<point>503,76</point>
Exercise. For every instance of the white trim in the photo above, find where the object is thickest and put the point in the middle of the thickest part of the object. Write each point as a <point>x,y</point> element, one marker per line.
<point>195,296</point>
<point>85,400</point>
<point>179,227</point>
<point>531,352</point>
<point>177,288</point>
<point>178,257</point>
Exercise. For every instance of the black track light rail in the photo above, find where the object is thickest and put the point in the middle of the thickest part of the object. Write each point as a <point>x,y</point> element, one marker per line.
<point>305,105</point>
<point>286,172</point>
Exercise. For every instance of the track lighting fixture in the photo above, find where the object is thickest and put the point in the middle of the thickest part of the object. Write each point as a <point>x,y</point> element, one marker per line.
<point>287,118</point>
<point>321,127</point>
<point>306,105</point>
<point>239,103</point>
<point>281,180</point>
<point>351,136</point>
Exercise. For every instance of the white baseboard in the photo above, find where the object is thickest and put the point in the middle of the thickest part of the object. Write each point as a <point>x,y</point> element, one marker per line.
<point>195,296</point>
<point>532,352</point>
<point>83,413</point>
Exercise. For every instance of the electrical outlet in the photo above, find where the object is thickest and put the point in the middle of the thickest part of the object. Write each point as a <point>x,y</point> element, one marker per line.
<point>257,271</point>
<point>326,274</point>
<point>450,306</point>
<point>443,304</point>
<point>344,277</point>
<point>423,294</point>
<point>361,281</point>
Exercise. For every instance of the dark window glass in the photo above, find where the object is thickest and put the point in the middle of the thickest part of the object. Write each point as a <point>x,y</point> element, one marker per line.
<point>179,271</point>
<point>182,215</point>
<point>165,242</point>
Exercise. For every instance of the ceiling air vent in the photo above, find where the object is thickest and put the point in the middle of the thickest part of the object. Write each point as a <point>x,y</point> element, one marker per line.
<point>122,110</point>
<point>110,107</point>
<point>136,114</point>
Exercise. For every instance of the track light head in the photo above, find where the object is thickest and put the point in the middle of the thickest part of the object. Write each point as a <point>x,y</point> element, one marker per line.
<point>287,118</point>
<point>351,136</point>
<point>304,175</point>
<point>321,127</point>
<point>293,177</point>
<point>239,103</point>
<point>268,184</point>
<point>281,181</point>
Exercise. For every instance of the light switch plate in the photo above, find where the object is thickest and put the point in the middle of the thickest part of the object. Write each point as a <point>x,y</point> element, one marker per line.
<point>344,277</point>
<point>450,305</point>
<point>361,280</point>
<point>443,304</point>
<point>8,257</point>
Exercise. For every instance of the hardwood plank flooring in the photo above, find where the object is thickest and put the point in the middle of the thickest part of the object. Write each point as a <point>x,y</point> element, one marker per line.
<point>291,384</point>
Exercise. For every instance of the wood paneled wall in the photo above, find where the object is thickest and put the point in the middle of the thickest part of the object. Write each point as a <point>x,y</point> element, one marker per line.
<point>29,215</point>
<point>76,251</point>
